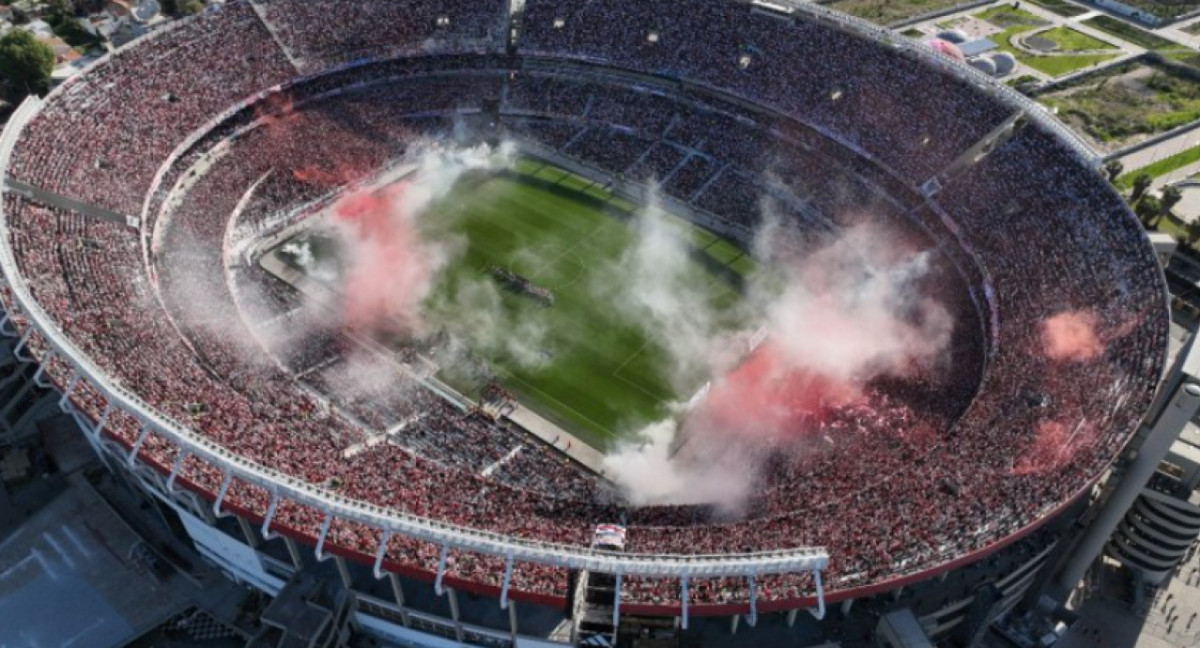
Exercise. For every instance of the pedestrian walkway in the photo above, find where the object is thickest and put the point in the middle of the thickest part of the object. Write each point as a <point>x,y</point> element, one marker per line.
<point>562,440</point>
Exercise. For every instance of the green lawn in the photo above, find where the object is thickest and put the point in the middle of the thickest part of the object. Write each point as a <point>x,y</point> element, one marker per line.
<point>600,374</point>
<point>1021,80</point>
<point>1131,34</point>
<point>1161,167</point>
<point>1015,22</point>
<point>1186,57</point>
<point>1066,63</point>
<point>1071,40</point>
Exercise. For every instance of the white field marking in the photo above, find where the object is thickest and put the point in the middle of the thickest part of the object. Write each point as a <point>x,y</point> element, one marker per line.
<point>657,397</point>
<point>578,276</point>
<point>17,565</point>
<point>568,250</point>
<point>564,405</point>
<point>99,622</point>
<point>37,555</point>
<point>58,548</point>
<point>633,355</point>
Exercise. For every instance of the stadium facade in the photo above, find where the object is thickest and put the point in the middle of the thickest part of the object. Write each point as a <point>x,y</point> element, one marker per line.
<point>694,94</point>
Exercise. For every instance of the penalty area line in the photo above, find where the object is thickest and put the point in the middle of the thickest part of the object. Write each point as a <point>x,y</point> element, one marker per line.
<point>574,411</point>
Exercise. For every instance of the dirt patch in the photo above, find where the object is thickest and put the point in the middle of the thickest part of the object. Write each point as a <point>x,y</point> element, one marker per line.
<point>1040,44</point>
<point>973,27</point>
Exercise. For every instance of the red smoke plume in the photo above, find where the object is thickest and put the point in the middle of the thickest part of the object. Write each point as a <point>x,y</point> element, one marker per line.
<point>1053,447</point>
<point>274,108</point>
<point>391,269</point>
<point>1071,336</point>
<point>315,175</point>
<point>767,397</point>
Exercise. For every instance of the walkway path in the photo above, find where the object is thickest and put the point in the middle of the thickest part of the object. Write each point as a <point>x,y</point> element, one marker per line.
<point>68,204</point>
<point>563,441</point>
<point>1175,32</point>
<point>1164,149</point>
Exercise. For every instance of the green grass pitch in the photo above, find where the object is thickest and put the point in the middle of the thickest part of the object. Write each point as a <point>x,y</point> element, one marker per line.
<point>600,375</point>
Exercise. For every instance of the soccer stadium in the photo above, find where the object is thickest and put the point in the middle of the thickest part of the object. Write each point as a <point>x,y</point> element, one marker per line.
<point>579,309</point>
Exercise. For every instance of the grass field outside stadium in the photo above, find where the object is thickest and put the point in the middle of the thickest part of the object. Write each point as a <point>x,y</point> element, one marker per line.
<point>596,370</point>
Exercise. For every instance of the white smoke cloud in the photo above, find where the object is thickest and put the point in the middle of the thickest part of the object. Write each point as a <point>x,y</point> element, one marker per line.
<point>474,315</point>
<point>845,313</point>
<point>656,284</point>
<point>854,310</point>
<point>646,471</point>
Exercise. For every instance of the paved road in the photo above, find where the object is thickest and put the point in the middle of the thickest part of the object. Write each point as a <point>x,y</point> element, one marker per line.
<point>564,441</point>
<point>1175,32</point>
<point>1166,148</point>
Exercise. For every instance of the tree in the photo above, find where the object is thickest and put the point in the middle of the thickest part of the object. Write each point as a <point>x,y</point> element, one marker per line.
<point>1191,233</point>
<point>193,7</point>
<point>1148,211</point>
<point>1113,168</point>
<point>1170,197</point>
<point>62,7</point>
<point>71,30</point>
<point>25,62</point>
<point>1140,184</point>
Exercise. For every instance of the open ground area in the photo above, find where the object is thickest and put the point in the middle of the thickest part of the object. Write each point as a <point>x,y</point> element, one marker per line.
<point>585,362</point>
<point>1128,104</point>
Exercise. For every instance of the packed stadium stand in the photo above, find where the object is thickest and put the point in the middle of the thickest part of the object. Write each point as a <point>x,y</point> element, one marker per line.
<point>225,125</point>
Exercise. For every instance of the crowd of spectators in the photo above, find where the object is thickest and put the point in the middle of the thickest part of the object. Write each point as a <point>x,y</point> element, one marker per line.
<point>102,135</point>
<point>864,91</point>
<point>938,464</point>
<point>324,33</point>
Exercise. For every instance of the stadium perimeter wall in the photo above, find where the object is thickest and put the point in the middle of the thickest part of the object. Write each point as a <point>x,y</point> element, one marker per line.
<point>697,609</point>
